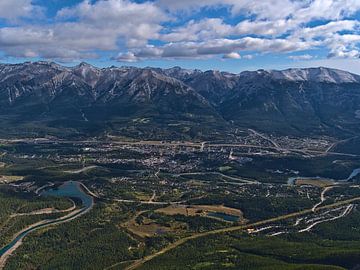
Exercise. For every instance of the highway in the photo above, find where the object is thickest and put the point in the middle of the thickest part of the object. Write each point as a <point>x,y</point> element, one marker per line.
<point>148,258</point>
<point>200,145</point>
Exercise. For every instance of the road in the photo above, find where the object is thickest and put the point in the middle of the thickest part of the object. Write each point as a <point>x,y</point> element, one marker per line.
<point>322,197</point>
<point>146,202</point>
<point>43,187</point>
<point>247,181</point>
<point>82,169</point>
<point>45,211</point>
<point>342,214</point>
<point>148,258</point>
<point>265,138</point>
<point>89,191</point>
<point>188,144</point>
<point>152,197</point>
<point>340,142</point>
<point>233,145</point>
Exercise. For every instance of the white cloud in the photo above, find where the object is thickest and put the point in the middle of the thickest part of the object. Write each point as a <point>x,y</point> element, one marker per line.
<point>98,26</point>
<point>126,57</point>
<point>130,20</point>
<point>298,10</point>
<point>14,9</point>
<point>326,30</point>
<point>127,28</point>
<point>232,55</point>
<point>263,9</point>
<point>202,30</point>
<point>300,57</point>
<point>209,48</point>
<point>262,28</point>
<point>248,56</point>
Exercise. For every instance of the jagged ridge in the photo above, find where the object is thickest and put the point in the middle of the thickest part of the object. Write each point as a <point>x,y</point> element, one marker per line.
<point>318,100</point>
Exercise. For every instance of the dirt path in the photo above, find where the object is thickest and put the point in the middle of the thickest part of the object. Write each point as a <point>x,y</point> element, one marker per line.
<point>322,197</point>
<point>342,214</point>
<point>89,191</point>
<point>140,262</point>
<point>45,211</point>
<point>152,197</point>
<point>81,170</point>
<point>43,187</point>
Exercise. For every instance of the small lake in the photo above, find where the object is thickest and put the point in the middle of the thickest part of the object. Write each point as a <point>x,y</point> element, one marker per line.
<point>353,174</point>
<point>70,189</point>
<point>223,216</point>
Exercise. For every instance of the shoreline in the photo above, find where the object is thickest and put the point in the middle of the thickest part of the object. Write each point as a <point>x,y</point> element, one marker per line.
<point>40,225</point>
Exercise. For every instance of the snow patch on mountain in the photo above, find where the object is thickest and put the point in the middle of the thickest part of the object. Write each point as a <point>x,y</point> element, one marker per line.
<point>320,74</point>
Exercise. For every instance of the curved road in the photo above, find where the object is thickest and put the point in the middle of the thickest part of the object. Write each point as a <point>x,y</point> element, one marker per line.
<point>140,262</point>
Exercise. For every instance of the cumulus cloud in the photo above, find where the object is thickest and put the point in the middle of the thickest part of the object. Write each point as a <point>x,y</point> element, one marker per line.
<point>278,26</point>
<point>154,29</point>
<point>83,29</point>
<point>264,9</point>
<point>124,18</point>
<point>215,47</point>
<point>232,55</point>
<point>202,30</point>
<point>14,9</point>
<point>297,10</point>
<point>126,57</point>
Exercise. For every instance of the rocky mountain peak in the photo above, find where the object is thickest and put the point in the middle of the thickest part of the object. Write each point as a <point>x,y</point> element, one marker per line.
<point>319,74</point>
<point>88,73</point>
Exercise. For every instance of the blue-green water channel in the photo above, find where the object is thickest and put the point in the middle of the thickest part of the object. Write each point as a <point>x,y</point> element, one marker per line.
<point>70,189</point>
<point>224,216</point>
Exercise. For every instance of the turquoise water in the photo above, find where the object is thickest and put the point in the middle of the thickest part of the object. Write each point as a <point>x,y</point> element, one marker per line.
<point>69,189</point>
<point>223,216</point>
<point>353,174</point>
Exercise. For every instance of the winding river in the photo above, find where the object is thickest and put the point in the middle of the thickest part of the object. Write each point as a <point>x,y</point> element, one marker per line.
<point>70,189</point>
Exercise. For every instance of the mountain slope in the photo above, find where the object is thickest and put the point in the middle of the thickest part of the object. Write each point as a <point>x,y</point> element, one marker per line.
<point>318,101</point>
<point>44,98</point>
<point>85,99</point>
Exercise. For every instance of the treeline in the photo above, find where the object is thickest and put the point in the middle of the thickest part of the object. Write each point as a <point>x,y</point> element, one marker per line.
<point>93,241</point>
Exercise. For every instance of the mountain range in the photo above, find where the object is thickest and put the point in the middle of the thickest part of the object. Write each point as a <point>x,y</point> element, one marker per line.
<point>44,98</point>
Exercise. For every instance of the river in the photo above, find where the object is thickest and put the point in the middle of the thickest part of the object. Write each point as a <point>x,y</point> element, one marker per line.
<point>70,189</point>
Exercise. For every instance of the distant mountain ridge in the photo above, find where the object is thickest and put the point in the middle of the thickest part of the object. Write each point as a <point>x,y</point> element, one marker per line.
<point>47,98</point>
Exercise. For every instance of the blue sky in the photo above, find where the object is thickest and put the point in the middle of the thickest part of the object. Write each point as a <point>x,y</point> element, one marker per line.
<point>231,35</point>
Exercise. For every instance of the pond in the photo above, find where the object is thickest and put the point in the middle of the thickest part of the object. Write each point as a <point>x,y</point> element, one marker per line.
<point>70,189</point>
<point>224,216</point>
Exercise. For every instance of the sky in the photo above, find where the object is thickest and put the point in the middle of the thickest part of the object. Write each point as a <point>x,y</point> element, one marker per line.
<point>229,35</point>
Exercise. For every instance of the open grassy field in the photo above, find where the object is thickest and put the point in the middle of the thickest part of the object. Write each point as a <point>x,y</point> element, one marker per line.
<point>199,210</point>
<point>10,178</point>
<point>147,227</point>
<point>321,182</point>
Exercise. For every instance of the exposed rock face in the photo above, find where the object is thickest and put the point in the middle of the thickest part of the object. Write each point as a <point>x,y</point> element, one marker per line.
<point>315,100</point>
